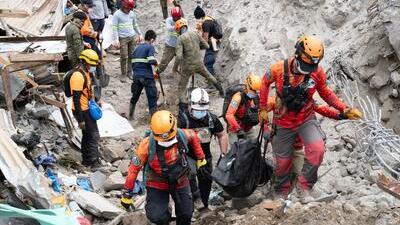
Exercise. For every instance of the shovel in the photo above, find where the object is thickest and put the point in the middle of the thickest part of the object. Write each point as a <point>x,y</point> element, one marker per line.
<point>164,102</point>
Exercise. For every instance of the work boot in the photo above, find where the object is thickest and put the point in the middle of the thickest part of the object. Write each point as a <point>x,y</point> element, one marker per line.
<point>307,196</point>
<point>131,111</point>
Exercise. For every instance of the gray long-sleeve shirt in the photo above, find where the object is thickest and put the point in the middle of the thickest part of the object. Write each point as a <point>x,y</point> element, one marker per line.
<point>124,24</point>
<point>99,10</point>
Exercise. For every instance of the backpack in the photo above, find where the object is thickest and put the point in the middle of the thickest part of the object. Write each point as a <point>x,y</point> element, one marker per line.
<point>67,78</point>
<point>219,33</point>
<point>229,92</point>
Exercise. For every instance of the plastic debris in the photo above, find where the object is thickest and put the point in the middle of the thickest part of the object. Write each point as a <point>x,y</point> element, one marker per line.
<point>54,180</point>
<point>45,160</point>
<point>84,183</point>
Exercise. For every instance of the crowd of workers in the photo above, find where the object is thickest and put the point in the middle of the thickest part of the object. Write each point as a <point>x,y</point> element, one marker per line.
<point>165,155</point>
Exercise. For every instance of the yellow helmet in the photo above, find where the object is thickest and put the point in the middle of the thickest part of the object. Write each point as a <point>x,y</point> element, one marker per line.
<point>253,83</point>
<point>180,23</point>
<point>90,57</point>
<point>309,52</point>
<point>163,125</point>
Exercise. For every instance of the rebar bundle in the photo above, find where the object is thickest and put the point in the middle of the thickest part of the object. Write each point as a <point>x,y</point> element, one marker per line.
<point>378,143</point>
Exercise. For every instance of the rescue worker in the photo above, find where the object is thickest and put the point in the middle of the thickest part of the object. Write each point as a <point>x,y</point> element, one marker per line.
<point>206,124</point>
<point>73,38</point>
<point>88,33</point>
<point>188,58</point>
<point>143,77</point>
<point>297,79</point>
<point>170,41</point>
<point>242,113</point>
<point>166,169</point>
<point>126,34</point>
<point>209,33</point>
<point>82,92</point>
<point>164,7</point>
<point>98,14</point>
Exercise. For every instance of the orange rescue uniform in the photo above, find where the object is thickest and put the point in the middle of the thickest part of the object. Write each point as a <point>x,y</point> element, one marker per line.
<point>77,83</point>
<point>154,177</point>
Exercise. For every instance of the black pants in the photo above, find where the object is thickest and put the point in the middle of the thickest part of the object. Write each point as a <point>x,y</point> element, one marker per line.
<point>203,185</point>
<point>92,43</point>
<point>98,24</point>
<point>151,91</point>
<point>157,206</point>
<point>90,140</point>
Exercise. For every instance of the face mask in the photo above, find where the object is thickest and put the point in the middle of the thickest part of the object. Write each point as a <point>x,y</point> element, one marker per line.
<point>92,69</point>
<point>300,70</point>
<point>198,114</point>
<point>251,95</point>
<point>169,143</point>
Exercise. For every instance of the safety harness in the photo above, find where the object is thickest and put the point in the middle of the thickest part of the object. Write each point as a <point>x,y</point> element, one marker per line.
<point>294,98</point>
<point>174,173</point>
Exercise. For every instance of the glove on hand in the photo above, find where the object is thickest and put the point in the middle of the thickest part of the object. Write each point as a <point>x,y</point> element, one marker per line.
<point>263,115</point>
<point>241,134</point>
<point>352,114</point>
<point>127,201</point>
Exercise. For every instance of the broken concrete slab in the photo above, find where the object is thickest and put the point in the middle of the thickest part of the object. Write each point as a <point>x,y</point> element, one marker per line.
<point>114,181</point>
<point>95,204</point>
<point>97,179</point>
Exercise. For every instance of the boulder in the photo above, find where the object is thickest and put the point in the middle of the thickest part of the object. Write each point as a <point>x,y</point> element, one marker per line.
<point>113,152</point>
<point>123,166</point>
<point>97,179</point>
<point>114,181</point>
<point>395,78</point>
<point>137,218</point>
<point>378,81</point>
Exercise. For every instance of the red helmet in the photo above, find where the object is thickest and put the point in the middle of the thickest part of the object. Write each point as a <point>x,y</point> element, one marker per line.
<point>176,13</point>
<point>129,4</point>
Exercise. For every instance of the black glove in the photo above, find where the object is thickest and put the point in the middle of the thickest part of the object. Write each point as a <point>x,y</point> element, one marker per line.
<point>205,171</point>
<point>241,134</point>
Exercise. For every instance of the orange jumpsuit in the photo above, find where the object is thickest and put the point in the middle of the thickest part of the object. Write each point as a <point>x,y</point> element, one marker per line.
<point>236,111</point>
<point>154,177</point>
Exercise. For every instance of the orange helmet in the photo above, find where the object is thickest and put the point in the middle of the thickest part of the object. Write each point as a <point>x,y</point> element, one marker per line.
<point>309,52</point>
<point>163,125</point>
<point>180,23</point>
<point>253,83</point>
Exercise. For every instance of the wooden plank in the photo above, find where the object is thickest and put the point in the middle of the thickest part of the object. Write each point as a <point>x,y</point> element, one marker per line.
<point>5,75</point>
<point>50,101</point>
<point>22,66</point>
<point>35,57</point>
<point>14,13</point>
<point>31,39</point>
<point>389,185</point>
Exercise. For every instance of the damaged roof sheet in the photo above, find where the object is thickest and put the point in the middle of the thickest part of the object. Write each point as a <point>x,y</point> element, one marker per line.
<point>46,16</point>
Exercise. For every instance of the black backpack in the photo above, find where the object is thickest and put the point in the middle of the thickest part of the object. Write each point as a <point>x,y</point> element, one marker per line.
<point>229,92</point>
<point>219,33</point>
<point>67,78</point>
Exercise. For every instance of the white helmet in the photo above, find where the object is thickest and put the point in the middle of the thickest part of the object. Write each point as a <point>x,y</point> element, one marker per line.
<point>199,99</point>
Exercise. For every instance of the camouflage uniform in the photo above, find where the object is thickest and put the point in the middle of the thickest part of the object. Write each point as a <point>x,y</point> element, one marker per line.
<point>188,57</point>
<point>74,42</point>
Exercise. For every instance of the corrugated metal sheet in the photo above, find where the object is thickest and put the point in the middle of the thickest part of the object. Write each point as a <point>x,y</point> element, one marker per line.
<point>46,16</point>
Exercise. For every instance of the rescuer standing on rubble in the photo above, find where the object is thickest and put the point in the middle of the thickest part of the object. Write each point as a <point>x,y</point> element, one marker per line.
<point>166,170</point>
<point>189,59</point>
<point>126,34</point>
<point>82,92</point>
<point>206,124</point>
<point>74,39</point>
<point>296,80</point>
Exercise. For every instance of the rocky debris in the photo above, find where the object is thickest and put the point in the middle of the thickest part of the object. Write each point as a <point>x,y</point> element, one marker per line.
<point>27,139</point>
<point>378,81</point>
<point>395,78</point>
<point>97,180</point>
<point>242,30</point>
<point>114,182</point>
<point>123,166</point>
<point>95,204</point>
<point>334,18</point>
<point>113,151</point>
<point>138,217</point>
